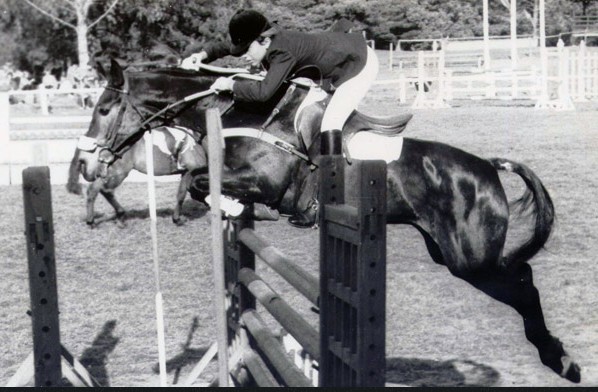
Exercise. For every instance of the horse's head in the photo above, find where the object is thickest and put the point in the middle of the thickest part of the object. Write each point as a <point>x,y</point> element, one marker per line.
<point>133,102</point>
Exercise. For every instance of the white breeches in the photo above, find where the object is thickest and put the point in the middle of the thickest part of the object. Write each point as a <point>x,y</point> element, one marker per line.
<point>347,96</point>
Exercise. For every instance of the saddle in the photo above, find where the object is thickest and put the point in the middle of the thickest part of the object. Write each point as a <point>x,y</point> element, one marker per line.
<point>386,126</point>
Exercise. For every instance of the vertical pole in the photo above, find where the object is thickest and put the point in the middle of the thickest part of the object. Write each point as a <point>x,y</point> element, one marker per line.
<point>216,162</point>
<point>514,60</point>
<point>420,96</point>
<point>367,192</point>
<point>543,58</point>
<point>352,273</point>
<point>4,137</point>
<point>39,230</point>
<point>390,57</point>
<point>331,192</point>
<point>581,71</point>
<point>513,14</point>
<point>486,29</point>
<point>402,88</point>
<point>151,190</point>
<point>43,100</point>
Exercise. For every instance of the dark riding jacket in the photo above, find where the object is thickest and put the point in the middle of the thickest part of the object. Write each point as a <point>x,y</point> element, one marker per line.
<point>338,56</point>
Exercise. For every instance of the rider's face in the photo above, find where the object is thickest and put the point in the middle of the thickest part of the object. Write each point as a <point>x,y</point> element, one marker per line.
<point>256,52</point>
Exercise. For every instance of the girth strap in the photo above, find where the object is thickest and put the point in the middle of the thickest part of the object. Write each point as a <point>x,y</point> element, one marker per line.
<point>268,138</point>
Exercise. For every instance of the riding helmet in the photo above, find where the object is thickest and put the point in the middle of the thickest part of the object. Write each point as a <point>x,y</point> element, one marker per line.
<point>245,27</point>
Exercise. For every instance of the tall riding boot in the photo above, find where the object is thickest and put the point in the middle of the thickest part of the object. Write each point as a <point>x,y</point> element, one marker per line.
<point>306,203</point>
<point>332,142</point>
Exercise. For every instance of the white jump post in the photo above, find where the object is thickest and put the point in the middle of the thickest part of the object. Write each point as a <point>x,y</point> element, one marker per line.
<point>215,165</point>
<point>543,99</point>
<point>564,96</point>
<point>420,97</point>
<point>514,65</point>
<point>581,72</point>
<point>4,138</point>
<point>486,30</point>
<point>151,190</point>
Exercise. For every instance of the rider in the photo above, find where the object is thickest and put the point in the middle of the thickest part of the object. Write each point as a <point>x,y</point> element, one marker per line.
<point>344,60</point>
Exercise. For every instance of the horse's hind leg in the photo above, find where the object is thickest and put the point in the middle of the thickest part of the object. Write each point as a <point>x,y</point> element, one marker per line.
<point>180,198</point>
<point>515,287</point>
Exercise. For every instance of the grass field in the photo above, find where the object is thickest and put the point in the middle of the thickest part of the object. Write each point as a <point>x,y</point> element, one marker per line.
<point>440,331</point>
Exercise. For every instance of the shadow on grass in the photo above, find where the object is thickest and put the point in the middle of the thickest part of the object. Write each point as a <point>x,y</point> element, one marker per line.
<point>416,372</point>
<point>94,358</point>
<point>190,211</point>
<point>187,356</point>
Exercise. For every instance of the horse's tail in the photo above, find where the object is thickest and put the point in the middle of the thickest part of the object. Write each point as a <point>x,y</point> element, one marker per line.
<point>73,185</point>
<point>536,203</point>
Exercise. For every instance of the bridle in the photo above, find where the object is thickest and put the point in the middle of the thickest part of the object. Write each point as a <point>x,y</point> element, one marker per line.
<point>110,151</point>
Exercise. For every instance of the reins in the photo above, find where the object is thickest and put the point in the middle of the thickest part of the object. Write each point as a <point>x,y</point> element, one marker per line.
<point>143,127</point>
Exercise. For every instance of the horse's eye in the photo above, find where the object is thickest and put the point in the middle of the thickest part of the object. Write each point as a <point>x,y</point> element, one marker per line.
<point>104,111</point>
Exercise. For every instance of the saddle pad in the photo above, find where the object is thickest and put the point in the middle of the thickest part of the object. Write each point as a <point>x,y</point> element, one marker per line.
<point>370,146</point>
<point>179,136</point>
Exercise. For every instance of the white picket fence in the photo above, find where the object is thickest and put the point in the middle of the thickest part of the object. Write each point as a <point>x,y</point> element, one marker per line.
<point>39,138</point>
<point>571,75</point>
<point>43,137</point>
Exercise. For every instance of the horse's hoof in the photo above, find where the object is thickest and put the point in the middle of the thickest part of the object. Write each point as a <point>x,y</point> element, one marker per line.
<point>120,224</point>
<point>571,370</point>
<point>180,221</point>
<point>261,212</point>
<point>559,361</point>
<point>91,225</point>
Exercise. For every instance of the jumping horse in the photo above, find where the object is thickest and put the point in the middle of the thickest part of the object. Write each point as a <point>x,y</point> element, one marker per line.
<point>453,198</point>
<point>175,152</point>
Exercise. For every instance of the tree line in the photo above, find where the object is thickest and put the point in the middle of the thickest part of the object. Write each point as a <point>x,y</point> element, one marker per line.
<point>38,34</point>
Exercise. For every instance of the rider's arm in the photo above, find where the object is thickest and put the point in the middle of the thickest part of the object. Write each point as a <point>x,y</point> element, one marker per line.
<point>213,51</point>
<point>281,64</point>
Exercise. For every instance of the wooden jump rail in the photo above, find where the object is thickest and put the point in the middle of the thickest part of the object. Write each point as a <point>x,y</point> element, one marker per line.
<point>349,348</point>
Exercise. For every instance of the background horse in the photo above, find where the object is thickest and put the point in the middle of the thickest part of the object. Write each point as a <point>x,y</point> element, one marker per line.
<point>455,199</point>
<point>175,152</point>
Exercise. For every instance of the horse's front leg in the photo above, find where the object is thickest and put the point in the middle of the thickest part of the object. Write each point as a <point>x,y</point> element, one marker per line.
<point>92,193</point>
<point>118,209</point>
<point>242,184</point>
<point>177,219</point>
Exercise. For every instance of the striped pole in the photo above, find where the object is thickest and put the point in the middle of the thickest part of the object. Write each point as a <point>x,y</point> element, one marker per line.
<point>215,165</point>
<point>151,190</point>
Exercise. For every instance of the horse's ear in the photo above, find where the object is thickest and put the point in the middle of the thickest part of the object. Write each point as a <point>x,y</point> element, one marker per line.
<point>117,78</point>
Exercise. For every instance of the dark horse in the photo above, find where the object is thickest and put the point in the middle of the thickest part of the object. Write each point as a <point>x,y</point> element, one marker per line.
<point>455,199</point>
